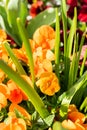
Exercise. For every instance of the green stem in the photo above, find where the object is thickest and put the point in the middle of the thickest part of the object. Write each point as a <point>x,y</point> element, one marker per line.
<point>24,36</point>
<point>57,44</point>
<point>28,90</point>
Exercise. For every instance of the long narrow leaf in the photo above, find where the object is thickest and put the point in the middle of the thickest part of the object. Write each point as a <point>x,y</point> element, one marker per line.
<point>23,13</point>
<point>78,56</point>
<point>64,20</point>
<point>24,36</point>
<point>72,72</point>
<point>71,34</point>
<point>57,44</point>
<point>83,63</point>
<point>14,59</point>
<point>68,95</point>
<point>69,46</point>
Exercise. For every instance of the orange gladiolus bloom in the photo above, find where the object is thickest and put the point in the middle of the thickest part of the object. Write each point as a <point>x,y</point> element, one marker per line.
<point>48,83</point>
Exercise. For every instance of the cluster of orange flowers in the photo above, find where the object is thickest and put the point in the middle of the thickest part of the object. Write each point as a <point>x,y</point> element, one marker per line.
<point>42,45</point>
<point>76,120</point>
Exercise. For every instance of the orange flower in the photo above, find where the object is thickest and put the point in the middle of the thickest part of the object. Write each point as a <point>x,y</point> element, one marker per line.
<point>3,101</point>
<point>72,108</point>
<point>75,119</point>
<point>45,40</point>
<point>13,123</point>
<point>4,89</point>
<point>70,125</point>
<point>21,54</point>
<point>42,60</point>
<point>4,94</point>
<point>27,116</point>
<point>77,116</point>
<point>16,94</point>
<point>2,76</point>
<point>48,83</point>
<point>3,53</point>
<point>3,35</point>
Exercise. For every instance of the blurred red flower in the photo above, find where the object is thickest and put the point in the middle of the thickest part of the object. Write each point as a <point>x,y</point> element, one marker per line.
<point>72,2</point>
<point>36,8</point>
<point>82,15</point>
<point>81,9</point>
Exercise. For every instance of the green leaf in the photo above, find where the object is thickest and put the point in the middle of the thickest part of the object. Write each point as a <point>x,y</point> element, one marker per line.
<point>72,71</point>
<point>57,43</point>
<point>84,104</point>
<point>12,9</point>
<point>46,17</point>
<point>23,13</point>
<point>23,34</point>
<point>69,46</point>
<point>71,34</point>
<point>14,59</point>
<point>49,119</point>
<point>64,20</point>
<point>83,63</point>
<point>3,20</point>
<point>79,95</point>
<point>69,94</point>
<point>12,12</point>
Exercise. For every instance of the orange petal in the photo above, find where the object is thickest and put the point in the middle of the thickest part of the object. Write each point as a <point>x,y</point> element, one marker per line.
<point>14,106</point>
<point>3,35</point>
<point>4,89</point>
<point>2,126</point>
<point>68,124</point>
<point>72,108</point>
<point>79,126</point>
<point>43,39</point>
<point>15,96</point>
<point>3,100</point>
<point>77,117</point>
